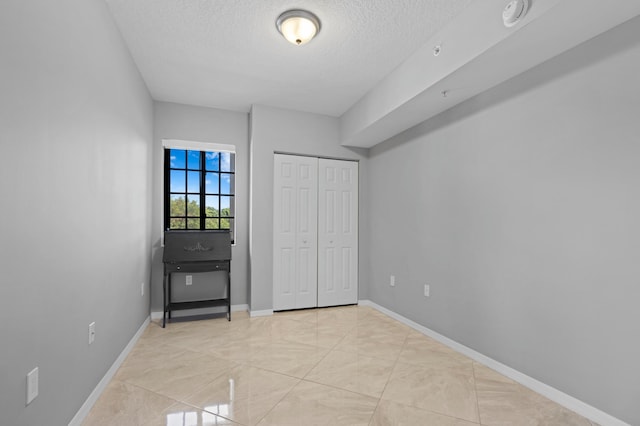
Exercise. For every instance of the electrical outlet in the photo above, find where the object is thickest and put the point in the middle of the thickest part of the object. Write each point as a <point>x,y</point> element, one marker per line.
<point>32,385</point>
<point>427,290</point>
<point>92,332</point>
<point>189,279</point>
<point>392,281</point>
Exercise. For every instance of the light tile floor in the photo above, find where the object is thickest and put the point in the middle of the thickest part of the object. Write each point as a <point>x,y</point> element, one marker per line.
<point>334,366</point>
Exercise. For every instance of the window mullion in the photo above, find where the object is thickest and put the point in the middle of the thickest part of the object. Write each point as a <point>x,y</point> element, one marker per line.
<point>219,190</point>
<point>186,190</point>
<point>202,190</point>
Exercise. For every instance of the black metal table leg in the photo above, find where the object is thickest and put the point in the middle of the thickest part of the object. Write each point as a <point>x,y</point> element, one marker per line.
<point>164,298</point>
<point>169,297</point>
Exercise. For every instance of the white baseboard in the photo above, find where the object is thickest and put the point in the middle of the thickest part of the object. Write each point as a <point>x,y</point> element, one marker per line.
<point>553,394</point>
<point>102,385</point>
<point>234,308</point>
<point>240,308</point>
<point>263,313</point>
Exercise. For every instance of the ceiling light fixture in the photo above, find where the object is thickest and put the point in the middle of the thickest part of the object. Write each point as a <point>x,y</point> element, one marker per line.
<point>298,26</point>
<point>514,12</point>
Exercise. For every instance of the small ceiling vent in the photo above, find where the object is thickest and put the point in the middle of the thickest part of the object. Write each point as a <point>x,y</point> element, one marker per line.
<point>514,12</point>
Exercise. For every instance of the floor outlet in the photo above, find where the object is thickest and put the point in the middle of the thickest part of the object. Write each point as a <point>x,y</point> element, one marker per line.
<point>392,281</point>
<point>427,290</point>
<point>32,385</point>
<point>189,279</point>
<point>92,332</point>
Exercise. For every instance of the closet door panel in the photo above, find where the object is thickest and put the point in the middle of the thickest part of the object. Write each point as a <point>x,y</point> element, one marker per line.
<point>338,232</point>
<point>349,234</point>
<point>284,231</point>
<point>295,232</point>
<point>307,233</point>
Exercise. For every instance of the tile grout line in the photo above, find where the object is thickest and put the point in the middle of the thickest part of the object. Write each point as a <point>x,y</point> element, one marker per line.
<point>395,363</point>
<point>300,380</point>
<point>421,408</point>
<point>475,387</point>
<point>183,401</point>
<point>279,401</point>
<point>329,350</point>
<point>303,379</point>
<point>408,405</point>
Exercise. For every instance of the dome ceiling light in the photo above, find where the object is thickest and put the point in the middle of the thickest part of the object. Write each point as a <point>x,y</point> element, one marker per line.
<point>514,12</point>
<point>298,26</point>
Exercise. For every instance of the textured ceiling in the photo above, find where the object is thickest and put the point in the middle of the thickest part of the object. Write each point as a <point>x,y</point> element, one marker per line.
<point>228,54</point>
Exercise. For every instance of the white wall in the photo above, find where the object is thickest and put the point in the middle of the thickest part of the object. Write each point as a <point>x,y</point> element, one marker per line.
<point>76,132</point>
<point>520,208</point>
<point>274,129</point>
<point>175,121</point>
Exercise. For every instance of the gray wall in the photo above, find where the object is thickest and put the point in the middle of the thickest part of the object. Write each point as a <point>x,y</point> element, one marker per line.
<point>175,121</point>
<point>520,208</point>
<point>274,129</point>
<point>76,134</point>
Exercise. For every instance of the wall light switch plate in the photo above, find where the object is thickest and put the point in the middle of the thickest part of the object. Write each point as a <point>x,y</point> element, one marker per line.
<point>427,290</point>
<point>92,332</point>
<point>189,279</point>
<point>392,281</point>
<point>32,385</point>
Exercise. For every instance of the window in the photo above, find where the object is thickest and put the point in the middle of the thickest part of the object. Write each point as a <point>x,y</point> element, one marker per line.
<point>199,189</point>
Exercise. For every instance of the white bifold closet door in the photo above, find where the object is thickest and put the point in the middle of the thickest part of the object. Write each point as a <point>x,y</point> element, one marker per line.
<point>315,232</point>
<point>337,232</point>
<point>295,232</point>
